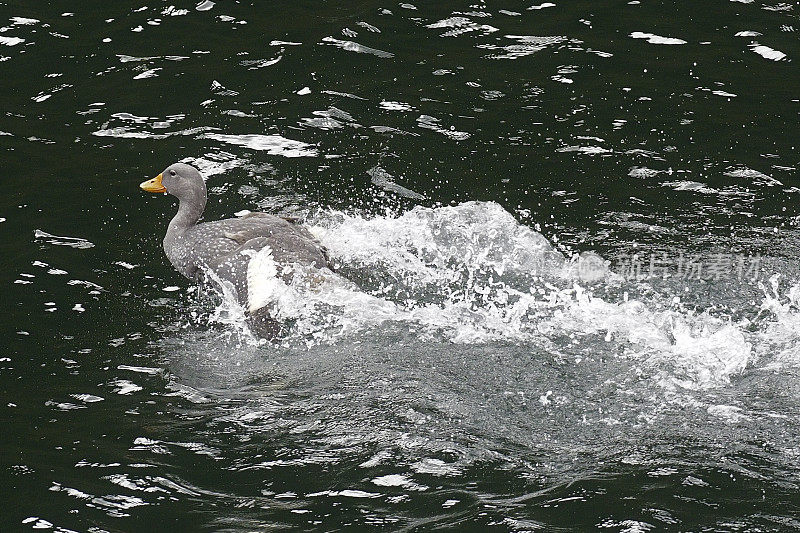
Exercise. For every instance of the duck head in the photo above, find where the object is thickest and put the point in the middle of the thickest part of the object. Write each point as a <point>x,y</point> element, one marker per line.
<point>187,185</point>
<point>180,180</point>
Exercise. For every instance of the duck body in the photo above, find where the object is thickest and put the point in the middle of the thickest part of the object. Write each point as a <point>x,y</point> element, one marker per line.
<point>222,252</point>
<point>210,245</point>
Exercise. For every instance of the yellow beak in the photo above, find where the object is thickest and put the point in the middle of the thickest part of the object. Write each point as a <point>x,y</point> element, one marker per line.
<point>153,185</point>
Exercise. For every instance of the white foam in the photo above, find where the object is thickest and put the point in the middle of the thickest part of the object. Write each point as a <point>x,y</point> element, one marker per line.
<point>768,53</point>
<point>472,274</point>
<point>779,340</point>
<point>352,46</point>
<point>657,39</point>
<point>272,144</point>
<point>11,41</point>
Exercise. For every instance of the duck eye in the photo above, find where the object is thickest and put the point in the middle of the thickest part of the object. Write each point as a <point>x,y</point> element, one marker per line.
<point>171,172</point>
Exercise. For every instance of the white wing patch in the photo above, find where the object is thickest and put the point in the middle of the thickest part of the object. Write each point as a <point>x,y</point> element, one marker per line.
<point>263,284</point>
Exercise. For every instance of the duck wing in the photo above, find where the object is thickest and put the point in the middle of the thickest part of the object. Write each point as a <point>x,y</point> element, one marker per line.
<point>289,242</point>
<point>215,243</point>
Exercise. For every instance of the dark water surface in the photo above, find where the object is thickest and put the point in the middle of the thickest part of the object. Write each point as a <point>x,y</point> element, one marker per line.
<point>455,158</point>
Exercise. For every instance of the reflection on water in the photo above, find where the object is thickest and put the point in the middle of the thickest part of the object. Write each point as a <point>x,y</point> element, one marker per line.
<point>481,175</point>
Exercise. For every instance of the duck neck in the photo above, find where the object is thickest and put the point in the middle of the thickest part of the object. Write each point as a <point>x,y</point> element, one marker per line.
<point>189,212</point>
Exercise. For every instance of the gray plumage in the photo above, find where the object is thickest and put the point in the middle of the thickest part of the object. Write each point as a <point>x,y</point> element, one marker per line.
<point>225,247</point>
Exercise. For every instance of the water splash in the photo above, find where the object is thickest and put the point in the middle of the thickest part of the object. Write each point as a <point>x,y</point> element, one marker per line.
<point>471,274</point>
<point>779,340</point>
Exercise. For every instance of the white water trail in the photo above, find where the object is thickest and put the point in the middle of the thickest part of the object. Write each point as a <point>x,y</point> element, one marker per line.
<point>471,274</point>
